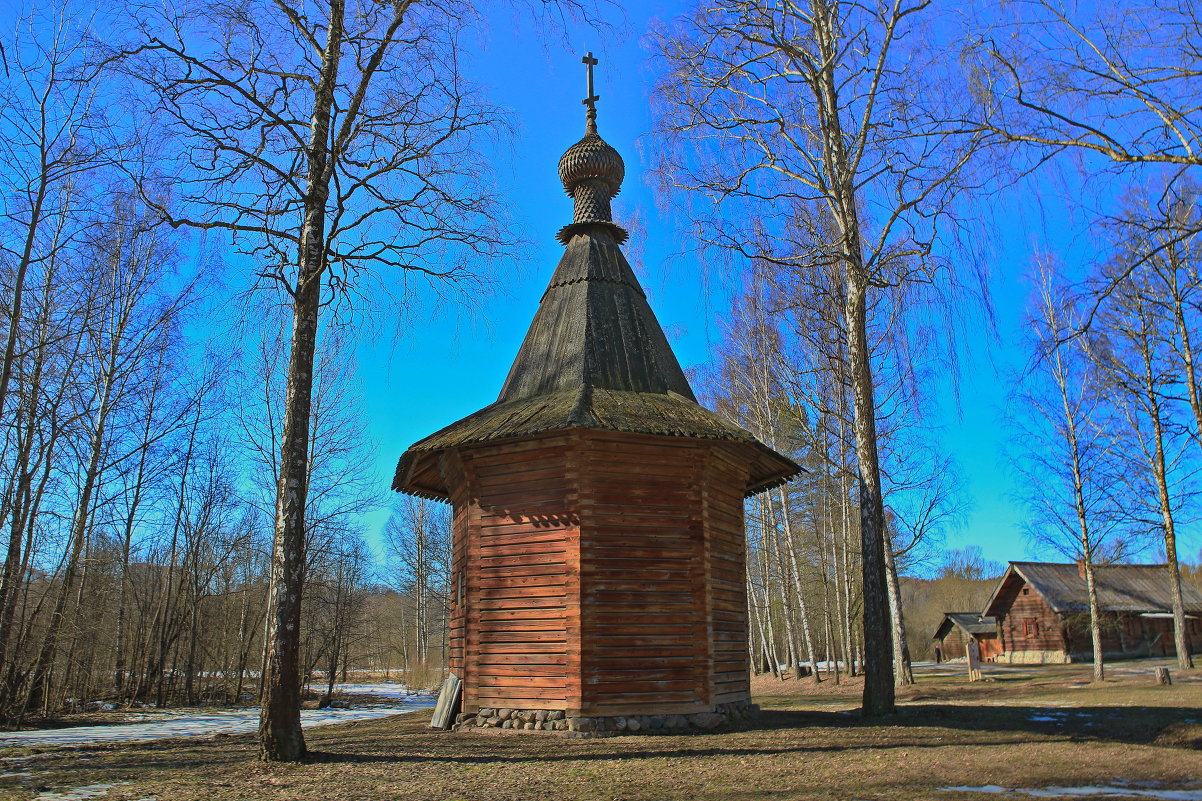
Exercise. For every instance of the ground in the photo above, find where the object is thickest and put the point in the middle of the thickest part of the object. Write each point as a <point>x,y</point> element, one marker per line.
<point>1043,730</point>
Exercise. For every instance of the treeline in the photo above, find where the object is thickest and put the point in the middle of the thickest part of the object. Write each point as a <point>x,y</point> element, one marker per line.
<point>805,538</point>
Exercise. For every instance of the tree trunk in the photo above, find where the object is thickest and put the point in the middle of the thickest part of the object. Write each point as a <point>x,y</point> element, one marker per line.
<point>39,684</point>
<point>1160,472</point>
<point>119,662</point>
<point>904,673</point>
<point>803,612</point>
<point>792,646</point>
<point>14,314</point>
<point>24,502</point>
<point>878,673</point>
<point>841,197</point>
<point>1095,614</point>
<point>280,735</point>
<point>1180,636</point>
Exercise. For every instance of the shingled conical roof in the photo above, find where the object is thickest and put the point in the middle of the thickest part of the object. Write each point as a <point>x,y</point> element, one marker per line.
<point>595,355</point>
<point>595,329</point>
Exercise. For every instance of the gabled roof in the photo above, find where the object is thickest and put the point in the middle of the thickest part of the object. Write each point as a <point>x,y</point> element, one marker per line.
<point>1121,588</point>
<point>968,622</point>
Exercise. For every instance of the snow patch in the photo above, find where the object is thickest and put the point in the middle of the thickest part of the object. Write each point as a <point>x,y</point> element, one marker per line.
<point>988,788</point>
<point>396,698</point>
<point>1086,791</point>
<point>78,794</point>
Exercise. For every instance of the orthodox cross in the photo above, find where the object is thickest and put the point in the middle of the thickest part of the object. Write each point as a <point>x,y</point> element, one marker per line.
<point>591,101</point>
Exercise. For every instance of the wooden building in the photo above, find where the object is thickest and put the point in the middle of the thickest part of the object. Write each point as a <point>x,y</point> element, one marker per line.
<point>1042,612</point>
<point>598,557</point>
<point>958,629</point>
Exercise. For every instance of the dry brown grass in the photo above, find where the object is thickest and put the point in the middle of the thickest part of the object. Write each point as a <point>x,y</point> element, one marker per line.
<point>809,744</point>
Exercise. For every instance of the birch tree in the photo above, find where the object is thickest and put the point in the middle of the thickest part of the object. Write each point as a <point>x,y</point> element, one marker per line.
<point>771,109</point>
<point>330,142</point>
<point>1064,421</point>
<point>418,537</point>
<point>1134,358</point>
<point>56,140</point>
<point>1114,86</point>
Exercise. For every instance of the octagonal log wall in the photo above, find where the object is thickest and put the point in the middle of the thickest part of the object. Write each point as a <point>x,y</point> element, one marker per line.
<point>599,573</point>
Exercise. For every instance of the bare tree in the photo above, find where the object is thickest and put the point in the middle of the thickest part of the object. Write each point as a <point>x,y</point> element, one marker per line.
<point>330,141</point>
<point>1064,428</point>
<point>1113,85</point>
<point>53,138</point>
<point>784,116</point>
<point>1112,81</point>
<point>418,537</point>
<point>1134,356</point>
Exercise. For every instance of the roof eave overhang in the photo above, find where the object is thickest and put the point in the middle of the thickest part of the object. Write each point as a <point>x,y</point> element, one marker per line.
<point>410,461</point>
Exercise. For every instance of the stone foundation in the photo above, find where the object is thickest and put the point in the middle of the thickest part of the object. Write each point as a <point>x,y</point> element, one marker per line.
<point>557,722</point>
<point>1033,658</point>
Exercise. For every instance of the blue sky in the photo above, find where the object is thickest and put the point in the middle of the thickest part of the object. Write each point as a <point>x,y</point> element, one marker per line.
<point>453,364</point>
<point>451,360</point>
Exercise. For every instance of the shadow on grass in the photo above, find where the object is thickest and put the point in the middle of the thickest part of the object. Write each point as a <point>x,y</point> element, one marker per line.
<point>917,727</point>
<point>928,727</point>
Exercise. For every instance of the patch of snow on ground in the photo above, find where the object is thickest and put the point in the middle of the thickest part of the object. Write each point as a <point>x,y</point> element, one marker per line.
<point>388,689</point>
<point>395,700</point>
<point>988,788</point>
<point>1090,791</point>
<point>78,794</point>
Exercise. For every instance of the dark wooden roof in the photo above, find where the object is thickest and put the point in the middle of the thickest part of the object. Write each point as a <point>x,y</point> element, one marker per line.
<point>595,329</point>
<point>969,622</point>
<point>1121,588</point>
<point>595,356</point>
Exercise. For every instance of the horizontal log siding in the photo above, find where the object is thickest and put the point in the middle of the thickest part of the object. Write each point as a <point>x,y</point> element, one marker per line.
<point>1128,634</point>
<point>726,476</point>
<point>1012,608</point>
<point>643,641</point>
<point>520,539</point>
<point>955,644</point>
<point>603,574</point>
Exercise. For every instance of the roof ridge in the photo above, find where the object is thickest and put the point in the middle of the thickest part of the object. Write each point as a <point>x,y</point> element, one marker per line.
<point>1096,564</point>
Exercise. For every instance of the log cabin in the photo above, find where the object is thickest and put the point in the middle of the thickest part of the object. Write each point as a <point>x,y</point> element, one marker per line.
<point>1042,612</point>
<point>958,629</point>
<point>598,578</point>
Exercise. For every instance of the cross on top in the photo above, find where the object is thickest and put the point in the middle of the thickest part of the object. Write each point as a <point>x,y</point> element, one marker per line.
<point>591,101</point>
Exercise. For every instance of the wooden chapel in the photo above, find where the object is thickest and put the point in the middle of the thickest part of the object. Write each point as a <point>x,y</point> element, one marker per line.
<point>598,579</point>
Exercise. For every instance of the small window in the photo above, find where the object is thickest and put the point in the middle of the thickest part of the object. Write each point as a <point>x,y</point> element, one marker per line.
<point>1030,627</point>
<point>1026,590</point>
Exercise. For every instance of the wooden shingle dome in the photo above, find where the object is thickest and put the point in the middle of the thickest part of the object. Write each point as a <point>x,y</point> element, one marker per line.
<point>598,558</point>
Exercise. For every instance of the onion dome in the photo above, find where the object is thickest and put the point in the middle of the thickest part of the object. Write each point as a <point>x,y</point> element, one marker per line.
<point>591,172</point>
<point>592,158</point>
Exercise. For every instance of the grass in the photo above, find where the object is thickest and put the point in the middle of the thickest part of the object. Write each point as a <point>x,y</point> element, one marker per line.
<point>1039,728</point>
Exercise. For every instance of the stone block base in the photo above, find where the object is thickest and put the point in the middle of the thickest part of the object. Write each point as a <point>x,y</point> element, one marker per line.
<point>556,722</point>
<point>1033,658</point>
